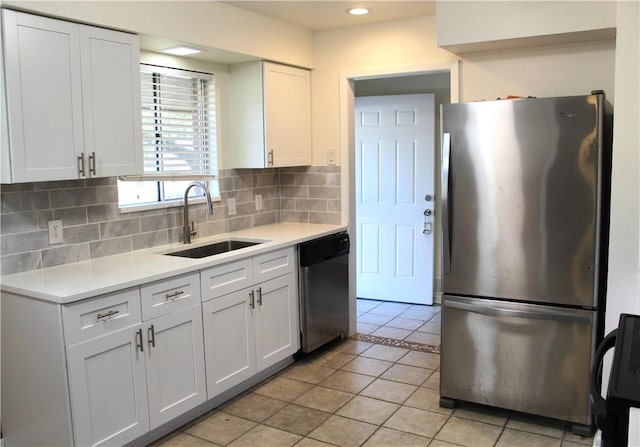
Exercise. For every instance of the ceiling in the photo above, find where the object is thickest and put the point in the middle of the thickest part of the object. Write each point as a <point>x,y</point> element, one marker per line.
<point>312,15</point>
<point>321,15</point>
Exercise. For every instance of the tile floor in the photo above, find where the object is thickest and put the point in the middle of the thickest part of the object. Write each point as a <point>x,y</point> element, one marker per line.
<point>412,323</point>
<point>357,393</point>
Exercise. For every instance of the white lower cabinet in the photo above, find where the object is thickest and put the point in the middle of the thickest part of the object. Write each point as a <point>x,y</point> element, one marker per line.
<point>175,365</point>
<point>127,382</point>
<point>252,328</point>
<point>107,370</point>
<point>229,346</point>
<point>276,321</point>
<point>108,389</point>
<point>249,330</point>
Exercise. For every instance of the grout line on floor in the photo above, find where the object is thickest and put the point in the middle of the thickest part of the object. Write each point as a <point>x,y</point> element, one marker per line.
<point>468,415</point>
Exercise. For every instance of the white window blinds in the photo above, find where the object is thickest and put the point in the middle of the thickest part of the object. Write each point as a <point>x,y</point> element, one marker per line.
<point>178,123</point>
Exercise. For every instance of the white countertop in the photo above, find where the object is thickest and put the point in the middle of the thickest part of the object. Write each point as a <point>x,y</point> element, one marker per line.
<point>72,282</point>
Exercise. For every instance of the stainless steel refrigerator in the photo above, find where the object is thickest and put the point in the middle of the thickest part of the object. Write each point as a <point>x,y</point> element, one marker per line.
<point>525,207</point>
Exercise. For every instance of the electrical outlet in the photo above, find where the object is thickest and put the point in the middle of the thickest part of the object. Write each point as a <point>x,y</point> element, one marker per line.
<point>55,232</point>
<point>231,203</point>
<point>258,202</point>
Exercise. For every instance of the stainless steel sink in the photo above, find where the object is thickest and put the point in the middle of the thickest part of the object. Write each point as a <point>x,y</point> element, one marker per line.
<point>213,249</point>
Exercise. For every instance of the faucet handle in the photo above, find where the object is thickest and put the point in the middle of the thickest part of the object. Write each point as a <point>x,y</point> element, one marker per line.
<point>193,231</point>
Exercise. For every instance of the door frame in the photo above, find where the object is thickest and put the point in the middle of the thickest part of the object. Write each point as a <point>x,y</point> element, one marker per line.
<point>347,151</point>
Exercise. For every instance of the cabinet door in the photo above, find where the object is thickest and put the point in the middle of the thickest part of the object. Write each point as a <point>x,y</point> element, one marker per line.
<point>287,110</point>
<point>42,60</point>
<point>276,320</point>
<point>108,389</point>
<point>175,364</point>
<point>246,118</point>
<point>228,340</point>
<point>111,99</point>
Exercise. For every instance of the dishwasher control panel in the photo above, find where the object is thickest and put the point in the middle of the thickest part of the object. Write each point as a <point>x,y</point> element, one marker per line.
<point>324,248</point>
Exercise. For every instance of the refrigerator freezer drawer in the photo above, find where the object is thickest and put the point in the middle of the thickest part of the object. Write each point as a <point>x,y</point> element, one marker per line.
<point>529,358</point>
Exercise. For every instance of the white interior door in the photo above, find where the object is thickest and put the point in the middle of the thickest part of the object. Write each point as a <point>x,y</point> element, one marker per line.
<point>394,186</point>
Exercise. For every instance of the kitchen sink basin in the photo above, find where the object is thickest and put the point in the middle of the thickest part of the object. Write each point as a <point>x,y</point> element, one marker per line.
<point>213,249</point>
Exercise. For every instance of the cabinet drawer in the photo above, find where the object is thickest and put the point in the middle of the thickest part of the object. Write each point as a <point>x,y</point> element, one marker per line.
<point>226,278</point>
<point>273,264</point>
<point>102,315</point>
<point>170,295</point>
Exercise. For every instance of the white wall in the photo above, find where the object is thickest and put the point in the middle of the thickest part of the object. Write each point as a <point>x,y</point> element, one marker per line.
<point>542,71</point>
<point>550,70</point>
<point>624,244</point>
<point>530,47</point>
<point>623,294</point>
<point>392,44</point>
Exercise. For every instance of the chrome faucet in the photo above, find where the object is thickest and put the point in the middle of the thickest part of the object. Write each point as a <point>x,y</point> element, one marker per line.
<point>187,230</point>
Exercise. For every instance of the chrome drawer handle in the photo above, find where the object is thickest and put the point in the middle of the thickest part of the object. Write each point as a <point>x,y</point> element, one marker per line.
<point>151,334</point>
<point>139,340</point>
<point>81,165</point>
<point>174,295</point>
<point>109,314</point>
<point>92,164</point>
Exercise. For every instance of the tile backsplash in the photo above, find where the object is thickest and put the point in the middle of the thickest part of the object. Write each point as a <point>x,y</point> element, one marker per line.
<point>93,226</point>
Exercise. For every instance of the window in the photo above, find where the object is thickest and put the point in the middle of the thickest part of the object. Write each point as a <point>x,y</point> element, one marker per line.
<point>179,138</point>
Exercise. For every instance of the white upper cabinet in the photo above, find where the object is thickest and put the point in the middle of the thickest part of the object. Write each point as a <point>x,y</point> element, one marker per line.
<point>270,115</point>
<point>287,110</point>
<point>111,99</point>
<point>73,100</point>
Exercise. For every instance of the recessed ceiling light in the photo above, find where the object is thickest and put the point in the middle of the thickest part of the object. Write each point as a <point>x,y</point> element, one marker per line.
<point>358,11</point>
<point>181,50</point>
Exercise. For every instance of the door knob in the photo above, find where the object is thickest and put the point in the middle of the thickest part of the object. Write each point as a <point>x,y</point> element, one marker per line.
<point>428,226</point>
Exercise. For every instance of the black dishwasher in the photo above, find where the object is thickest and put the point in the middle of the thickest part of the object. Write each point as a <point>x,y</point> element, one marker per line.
<point>324,290</point>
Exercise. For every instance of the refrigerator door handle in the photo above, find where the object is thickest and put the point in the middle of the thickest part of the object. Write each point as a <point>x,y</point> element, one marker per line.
<point>546,314</point>
<point>446,206</point>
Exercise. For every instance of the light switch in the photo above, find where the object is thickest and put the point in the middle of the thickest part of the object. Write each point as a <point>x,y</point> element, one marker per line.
<point>331,156</point>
